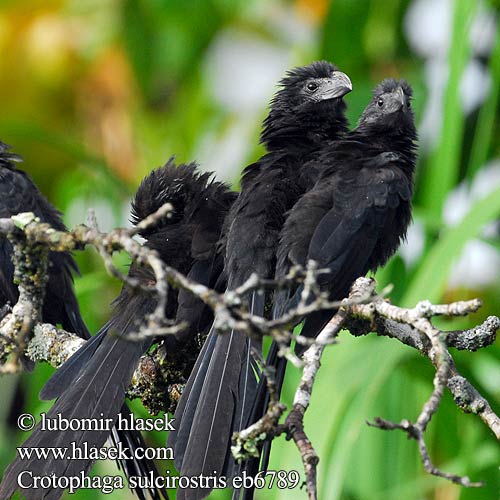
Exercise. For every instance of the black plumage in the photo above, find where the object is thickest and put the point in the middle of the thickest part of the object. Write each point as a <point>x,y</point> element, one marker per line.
<point>218,398</point>
<point>18,193</point>
<point>93,382</point>
<point>356,215</point>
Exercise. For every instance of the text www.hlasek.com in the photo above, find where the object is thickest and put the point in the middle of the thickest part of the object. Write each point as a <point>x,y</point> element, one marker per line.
<point>84,452</point>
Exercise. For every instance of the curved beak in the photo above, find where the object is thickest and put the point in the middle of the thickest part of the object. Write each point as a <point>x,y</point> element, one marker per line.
<point>397,100</point>
<point>401,97</point>
<point>339,85</point>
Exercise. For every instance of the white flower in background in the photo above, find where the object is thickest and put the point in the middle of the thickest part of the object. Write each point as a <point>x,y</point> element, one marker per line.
<point>412,248</point>
<point>479,264</point>
<point>242,69</point>
<point>428,28</point>
<point>226,153</point>
<point>457,205</point>
<point>461,199</point>
<point>483,31</point>
<point>486,180</point>
<point>477,267</point>
<point>436,76</point>
<point>474,86</point>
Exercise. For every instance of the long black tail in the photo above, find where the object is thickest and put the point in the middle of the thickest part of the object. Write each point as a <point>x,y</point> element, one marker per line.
<point>67,373</point>
<point>261,402</point>
<point>282,302</point>
<point>98,393</point>
<point>216,402</point>
<point>313,325</point>
<point>133,466</point>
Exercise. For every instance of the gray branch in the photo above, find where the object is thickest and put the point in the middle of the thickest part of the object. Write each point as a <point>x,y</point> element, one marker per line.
<point>160,376</point>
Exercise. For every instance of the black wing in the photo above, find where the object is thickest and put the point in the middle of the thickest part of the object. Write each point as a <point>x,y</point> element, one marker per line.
<point>18,193</point>
<point>349,240</point>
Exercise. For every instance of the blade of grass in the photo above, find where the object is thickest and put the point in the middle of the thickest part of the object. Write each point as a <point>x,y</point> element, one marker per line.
<point>486,119</point>
<point>430,281</point>
<point>446,159</point>
<point>336,450</point>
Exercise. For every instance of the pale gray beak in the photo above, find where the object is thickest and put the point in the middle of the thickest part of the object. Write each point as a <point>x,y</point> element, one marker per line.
<point>341,84</point>
<point>338,85</point>
<point>401,96</point>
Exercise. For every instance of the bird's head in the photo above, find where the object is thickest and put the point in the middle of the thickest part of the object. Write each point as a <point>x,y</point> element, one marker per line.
<point>309,104</point>
<point>178,185</point>
<point>389,109</point>
<point>310,85</point>
<point>199,205</point>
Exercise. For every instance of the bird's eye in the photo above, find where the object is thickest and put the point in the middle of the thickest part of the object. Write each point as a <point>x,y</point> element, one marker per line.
<point>380,102</point>
<point>312,87</point>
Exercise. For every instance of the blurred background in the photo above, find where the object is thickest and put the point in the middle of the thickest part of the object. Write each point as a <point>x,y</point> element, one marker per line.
<point>96,93</point>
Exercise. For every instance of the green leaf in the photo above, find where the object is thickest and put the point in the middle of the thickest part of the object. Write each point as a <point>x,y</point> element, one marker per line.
<point>446,160</point>
<point>485,128</point>
<point>430,281</point>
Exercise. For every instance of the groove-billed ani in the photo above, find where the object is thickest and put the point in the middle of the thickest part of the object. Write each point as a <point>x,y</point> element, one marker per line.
<point>357,214</point>
<point>217,400</point>
<point>93,382</point>
<point>18,193</point>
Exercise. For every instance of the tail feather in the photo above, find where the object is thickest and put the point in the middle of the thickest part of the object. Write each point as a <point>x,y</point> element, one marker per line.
<point>122,321</point>
<point>69,371</point>
<point>211,430</point>
<point>98,393</point>
<point>248,382</point>
<point>225,393</point>
<point>186,409</point>
<point>76,320</point>
<point>133,440</point>
<point>251,467</point>
<point>248,388</point>
<point>280,365</point>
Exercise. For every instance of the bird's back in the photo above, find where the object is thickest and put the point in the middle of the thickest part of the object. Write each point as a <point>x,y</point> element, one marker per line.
<point>18,193</point>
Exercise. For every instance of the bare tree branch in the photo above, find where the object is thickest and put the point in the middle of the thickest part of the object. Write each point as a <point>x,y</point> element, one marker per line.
<point>159,378</point>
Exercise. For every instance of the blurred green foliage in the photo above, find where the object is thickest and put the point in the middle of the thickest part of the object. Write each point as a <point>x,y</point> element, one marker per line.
<point>94,94</point>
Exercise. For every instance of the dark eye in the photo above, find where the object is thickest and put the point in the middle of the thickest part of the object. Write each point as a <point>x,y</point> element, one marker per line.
<point>312,87</point>
<point>380,102</point>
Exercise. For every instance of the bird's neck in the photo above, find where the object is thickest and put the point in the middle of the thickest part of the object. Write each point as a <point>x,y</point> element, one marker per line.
<point>299,130</point>
<point>405,146</point>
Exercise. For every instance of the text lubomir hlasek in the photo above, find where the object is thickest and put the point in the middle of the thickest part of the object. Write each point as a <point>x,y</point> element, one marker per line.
<point>59,423</point>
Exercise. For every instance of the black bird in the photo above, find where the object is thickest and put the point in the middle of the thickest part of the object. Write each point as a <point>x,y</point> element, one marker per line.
<point>93,382</point>
<point>18,193</point>
<point>356,215</point>
<point>359,210</point>
<point>307,111</point>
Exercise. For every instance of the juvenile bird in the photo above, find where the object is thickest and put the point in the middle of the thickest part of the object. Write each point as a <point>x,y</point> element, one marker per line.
<point>218,398</point>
